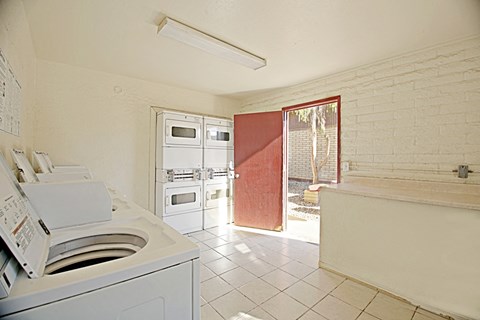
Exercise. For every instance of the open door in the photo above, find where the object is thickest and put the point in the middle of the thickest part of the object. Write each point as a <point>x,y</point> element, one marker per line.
<point>258,142</point>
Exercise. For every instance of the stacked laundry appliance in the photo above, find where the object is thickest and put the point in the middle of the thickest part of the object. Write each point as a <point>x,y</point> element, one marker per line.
<point>194,161</point>
<point>218,166</point>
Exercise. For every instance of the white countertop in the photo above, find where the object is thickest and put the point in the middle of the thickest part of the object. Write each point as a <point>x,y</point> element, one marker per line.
<point>434,193</point>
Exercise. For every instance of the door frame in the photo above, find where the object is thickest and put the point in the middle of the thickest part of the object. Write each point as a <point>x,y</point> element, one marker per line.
<point>285,111</point>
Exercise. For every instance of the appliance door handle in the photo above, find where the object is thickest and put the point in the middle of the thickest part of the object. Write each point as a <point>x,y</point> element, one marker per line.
<point>208,196</point>
<point>167,131</point>
<point>167,201</point>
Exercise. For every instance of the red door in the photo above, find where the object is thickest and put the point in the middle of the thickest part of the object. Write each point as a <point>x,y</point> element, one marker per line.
<point>258,168</point>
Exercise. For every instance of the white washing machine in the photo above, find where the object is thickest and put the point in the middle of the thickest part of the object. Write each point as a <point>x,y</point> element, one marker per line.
<point>29,175</point>
<point>132,267</point>
<point>179,199</point>
<point>45,165</point>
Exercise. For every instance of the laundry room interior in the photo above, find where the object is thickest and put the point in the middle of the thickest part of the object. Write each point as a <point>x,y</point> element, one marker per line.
<point>223,160</point>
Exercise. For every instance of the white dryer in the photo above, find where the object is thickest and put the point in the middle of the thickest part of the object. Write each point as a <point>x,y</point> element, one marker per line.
<point>132,267</point>
<point>179,141</point>
<point>179,199</point>
<point>218,198</point>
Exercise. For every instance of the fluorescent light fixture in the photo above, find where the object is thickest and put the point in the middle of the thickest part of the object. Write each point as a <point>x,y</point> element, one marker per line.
<point>183,33</point>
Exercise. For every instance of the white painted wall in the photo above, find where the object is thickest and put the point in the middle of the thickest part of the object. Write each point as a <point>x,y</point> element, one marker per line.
<point>102,120</point>
<point>414,116</point>
<point>16,44</point>
<point>425,253</point>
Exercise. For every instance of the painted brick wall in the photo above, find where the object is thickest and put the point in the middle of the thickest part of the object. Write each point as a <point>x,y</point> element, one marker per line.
<point>414,116</point>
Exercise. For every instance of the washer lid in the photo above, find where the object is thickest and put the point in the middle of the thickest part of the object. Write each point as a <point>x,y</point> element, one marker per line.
<point>26,170</point>
<point>23,231</point>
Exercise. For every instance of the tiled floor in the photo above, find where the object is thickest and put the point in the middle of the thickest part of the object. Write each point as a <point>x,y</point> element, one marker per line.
<point>246,275</point>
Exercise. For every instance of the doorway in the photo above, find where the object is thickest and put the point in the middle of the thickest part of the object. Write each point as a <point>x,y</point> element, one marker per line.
<point>311,161</point>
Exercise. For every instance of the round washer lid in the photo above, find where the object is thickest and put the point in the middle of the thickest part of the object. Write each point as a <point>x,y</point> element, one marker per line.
<point>23,231</point>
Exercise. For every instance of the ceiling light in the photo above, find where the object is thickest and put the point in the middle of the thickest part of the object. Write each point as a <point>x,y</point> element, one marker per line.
<point>183,33</point>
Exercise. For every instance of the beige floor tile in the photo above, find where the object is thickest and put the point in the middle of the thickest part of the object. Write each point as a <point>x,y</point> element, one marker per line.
<point>324,280</point>
<point>238,277</point>
<point>234,247</point>
<point>208,313</point>
<point>354,293</point>
<point>366,316</point>
<point>262,252</point>
<point>276,259</point>
<point>206,273</point>
<point>202,301</point>
<point>422,314</point>
<point>305,293</point>
<point>232,305</point>
<point>297,269</point>
<point>335,309</point>
<point>242,258</point>
<point>280,279</point>
<point>258,291</point>
<point>311,260</point>
<point>215,242</point>
<point>310,315</point>
<point>214,288</point>
<point>259,267</point>
<point>202,235</point>
<point>202,246</point>
<point>274,245</point>
<point>221,265</point>
<point>256,314</point>
<point>209,256</point>
<point>220,230</point>
<point>388,308</point>
<point>231,237</point>
<point>283,307</point>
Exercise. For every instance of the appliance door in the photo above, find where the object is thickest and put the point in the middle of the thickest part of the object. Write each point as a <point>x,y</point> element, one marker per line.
<point>178,158</point>
<point>182,199</point>
<point>218,158</point>
<point>218,194</point>
<point>184,133</point>
<point>218,136</point>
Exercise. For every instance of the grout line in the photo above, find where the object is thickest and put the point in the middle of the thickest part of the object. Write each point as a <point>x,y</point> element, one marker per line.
<point>414,312</point>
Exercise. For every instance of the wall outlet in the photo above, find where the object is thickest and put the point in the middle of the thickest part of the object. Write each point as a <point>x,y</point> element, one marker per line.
<point>345,166</point>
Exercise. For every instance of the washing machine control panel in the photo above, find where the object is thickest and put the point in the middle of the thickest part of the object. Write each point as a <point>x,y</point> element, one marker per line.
<point>21,229</point>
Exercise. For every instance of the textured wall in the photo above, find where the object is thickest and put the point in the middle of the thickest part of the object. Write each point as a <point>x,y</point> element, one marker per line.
<point>16,44</point>
<point>299,149</point>
<point>414,116</point>
<point>102,121</point>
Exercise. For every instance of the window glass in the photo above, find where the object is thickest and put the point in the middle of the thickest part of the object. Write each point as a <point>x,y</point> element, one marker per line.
<point>182,132</point>
<point>183,198</point>
<point>219,135</point>
<point>221,193</point>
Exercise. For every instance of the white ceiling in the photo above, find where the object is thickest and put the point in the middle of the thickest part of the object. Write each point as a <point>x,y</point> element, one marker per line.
<point>301,39</point>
